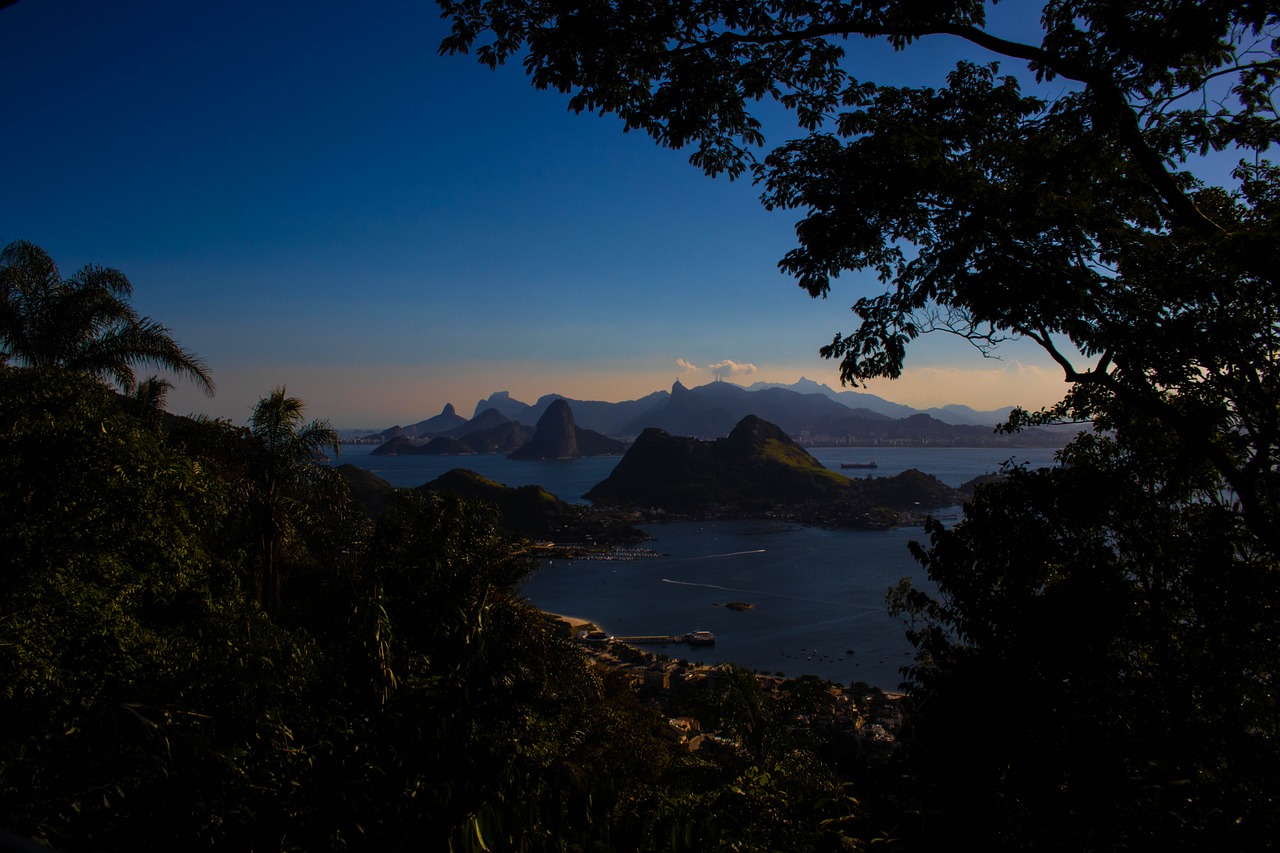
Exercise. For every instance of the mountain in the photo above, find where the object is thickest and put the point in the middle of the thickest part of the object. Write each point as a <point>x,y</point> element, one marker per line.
<point>503,438</point>
<point>558,437</point>
<point>757,469</point>
<point>488,419</point>
<point>608,418</point>
<point>812,413</point>
<point>755,466</point>
<point>534,512</point>
<point>687,413</point>
<point>368,490</point>
<point>922,429</point>
<point>504,403</point>
<point>527,511</point>
<point>950,414</point>
<point>398,446</point>
<point>446,420</point>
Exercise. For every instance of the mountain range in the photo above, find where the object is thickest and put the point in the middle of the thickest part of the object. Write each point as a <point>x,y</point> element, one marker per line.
<point>809,412</point>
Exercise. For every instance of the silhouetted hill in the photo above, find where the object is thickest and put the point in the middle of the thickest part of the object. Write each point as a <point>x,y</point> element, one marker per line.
<point>757,465</point>
<point>862,400</point>
<point>398,446</point>
<point>488,419</point>
<point>758,469</point>
<point>504,438</point>
<point>534,512</point>
<point>504,403</point>
<point>368,490</point>
<point>687,413</point>
<point>446,420</point>
<point>811,413</point>
<point>442,445</point>
<point>927,430</point>
<point>607,418</point>
<point>528,510</point>
<point>558,437</point>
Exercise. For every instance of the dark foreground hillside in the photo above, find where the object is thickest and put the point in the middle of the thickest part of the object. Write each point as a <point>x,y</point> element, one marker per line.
<point>395,693</point>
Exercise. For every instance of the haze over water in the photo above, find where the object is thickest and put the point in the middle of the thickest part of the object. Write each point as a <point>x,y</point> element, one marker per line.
<point>818,594</point>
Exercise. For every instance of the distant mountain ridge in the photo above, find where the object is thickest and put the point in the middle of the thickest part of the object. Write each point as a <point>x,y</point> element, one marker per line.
<point>808,411</point>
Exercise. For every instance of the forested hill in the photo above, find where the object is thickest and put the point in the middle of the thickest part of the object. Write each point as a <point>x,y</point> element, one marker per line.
<point>757,470</point>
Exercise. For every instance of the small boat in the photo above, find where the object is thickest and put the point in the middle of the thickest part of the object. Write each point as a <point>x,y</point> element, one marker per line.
<point>700,638</point>
<point>869,464</point>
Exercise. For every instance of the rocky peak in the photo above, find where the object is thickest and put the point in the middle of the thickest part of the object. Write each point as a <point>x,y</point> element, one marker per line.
<point>555,436</point>
<point>755,432</point>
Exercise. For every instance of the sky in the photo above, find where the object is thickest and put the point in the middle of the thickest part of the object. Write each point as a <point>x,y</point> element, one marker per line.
<point>307,195</point>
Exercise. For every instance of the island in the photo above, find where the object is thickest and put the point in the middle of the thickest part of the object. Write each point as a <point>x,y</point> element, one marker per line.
<point>758,471</point>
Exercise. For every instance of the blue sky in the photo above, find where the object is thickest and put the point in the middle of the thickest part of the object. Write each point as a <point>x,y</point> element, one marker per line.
<point>308,196</point>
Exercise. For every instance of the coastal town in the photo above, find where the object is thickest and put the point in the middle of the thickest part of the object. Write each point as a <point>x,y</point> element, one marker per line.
<point>859,717</point>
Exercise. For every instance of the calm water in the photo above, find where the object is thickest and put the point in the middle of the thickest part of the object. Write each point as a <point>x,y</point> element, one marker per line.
<point>570,479</point>
<point>818,594</point>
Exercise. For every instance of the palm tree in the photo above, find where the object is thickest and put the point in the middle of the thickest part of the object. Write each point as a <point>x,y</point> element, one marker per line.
<point>82,323</point>
<point>287,466</point>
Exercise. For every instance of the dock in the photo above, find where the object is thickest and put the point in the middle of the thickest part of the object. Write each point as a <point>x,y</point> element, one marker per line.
<point>694,638</point>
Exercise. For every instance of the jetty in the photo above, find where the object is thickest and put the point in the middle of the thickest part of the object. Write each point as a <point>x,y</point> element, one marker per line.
<point>693,638</point>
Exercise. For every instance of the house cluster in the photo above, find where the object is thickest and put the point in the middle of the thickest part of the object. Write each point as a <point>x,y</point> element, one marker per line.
<point>865,714</point>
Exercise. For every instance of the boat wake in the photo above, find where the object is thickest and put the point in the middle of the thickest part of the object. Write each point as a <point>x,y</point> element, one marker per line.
<point>717,556</point>
<point>748,591</point>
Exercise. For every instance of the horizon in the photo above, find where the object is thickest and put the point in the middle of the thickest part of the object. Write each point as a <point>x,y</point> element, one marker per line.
<point>472,410</point>
<point>314,199</point>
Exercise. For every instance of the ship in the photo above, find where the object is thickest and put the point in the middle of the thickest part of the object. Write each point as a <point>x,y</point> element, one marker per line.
<point>869,464</point>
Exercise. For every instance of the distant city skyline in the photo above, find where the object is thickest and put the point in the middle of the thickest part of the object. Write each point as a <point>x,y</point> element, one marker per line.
<point>312,197</point>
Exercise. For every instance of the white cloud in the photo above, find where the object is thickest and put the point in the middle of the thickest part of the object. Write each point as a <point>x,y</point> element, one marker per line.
<point>728,367</point>
<point>720,369</point>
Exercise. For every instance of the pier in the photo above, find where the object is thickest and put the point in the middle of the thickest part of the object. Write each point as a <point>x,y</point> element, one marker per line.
<point>693,638</point>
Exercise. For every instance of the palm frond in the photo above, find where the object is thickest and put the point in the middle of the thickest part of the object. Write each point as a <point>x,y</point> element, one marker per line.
<point>83,322</point>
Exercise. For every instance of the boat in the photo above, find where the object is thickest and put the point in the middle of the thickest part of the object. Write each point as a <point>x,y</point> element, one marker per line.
<point>868,464</point>
<point>700,638</point>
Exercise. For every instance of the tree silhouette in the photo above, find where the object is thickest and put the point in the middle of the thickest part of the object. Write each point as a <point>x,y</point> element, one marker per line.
<point>82,323</point>
<point>288,448</point>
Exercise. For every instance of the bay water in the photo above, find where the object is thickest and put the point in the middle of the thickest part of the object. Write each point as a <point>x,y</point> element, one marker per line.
<point>817,596</point>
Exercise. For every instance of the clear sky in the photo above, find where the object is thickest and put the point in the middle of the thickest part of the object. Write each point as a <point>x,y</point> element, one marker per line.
<point>307,195</point>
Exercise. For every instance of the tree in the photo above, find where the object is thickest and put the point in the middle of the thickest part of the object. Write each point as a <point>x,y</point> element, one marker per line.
<point>83,323</point>
<point>137,682</point>
<point>1100,661</point>
<point>285,468</point>
<point>1128,594</point>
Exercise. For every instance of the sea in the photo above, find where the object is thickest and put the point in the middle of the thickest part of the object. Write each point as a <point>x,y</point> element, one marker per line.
<point>817,596</point>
